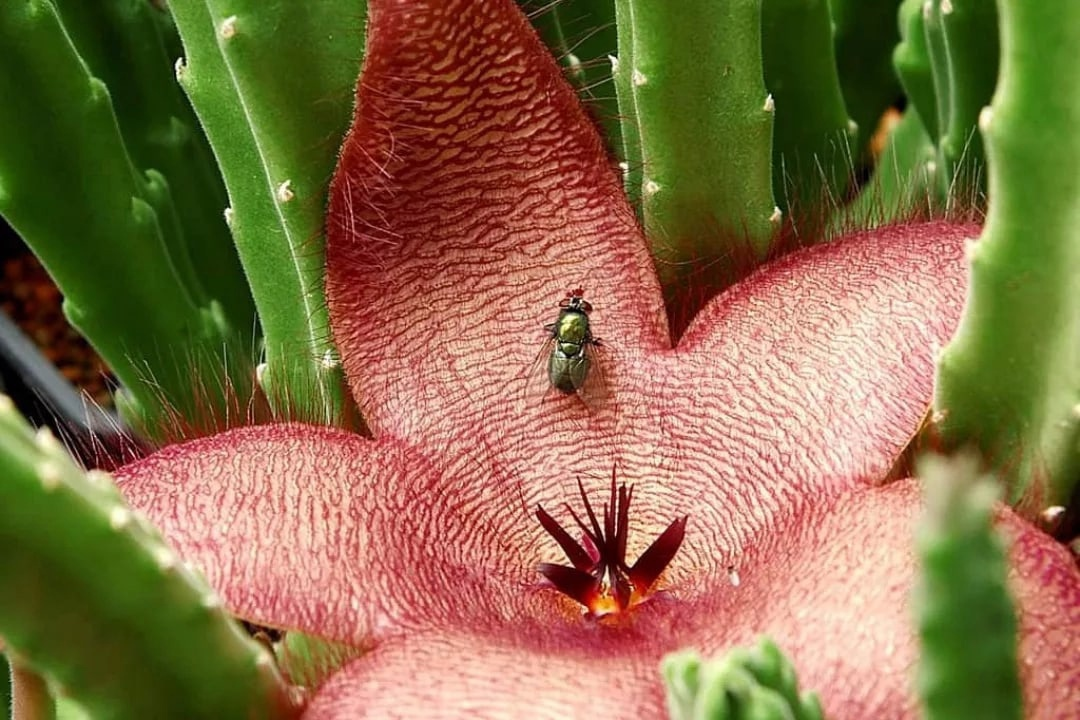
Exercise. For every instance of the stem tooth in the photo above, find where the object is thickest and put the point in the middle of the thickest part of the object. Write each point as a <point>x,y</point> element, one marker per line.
<point>50,474</point>
<point>46,440</point>
<point>227,29</point>
<point>99,478</point>
<point>165,558</point>
<point>285,192</point>
<point>119,518</point>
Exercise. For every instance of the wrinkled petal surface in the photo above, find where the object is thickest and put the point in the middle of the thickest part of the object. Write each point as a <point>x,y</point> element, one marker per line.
<point>473,192</point>
<point>833,589</point>
<point>324,531</point>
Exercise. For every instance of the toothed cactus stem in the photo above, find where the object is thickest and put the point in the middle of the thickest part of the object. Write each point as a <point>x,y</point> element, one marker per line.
<point>275,106</point>
<point>758,682</point>
<point>706,181</point>
<point>123,42</point>
<point>544,16</point>
<point>172,651</point>
<point>938,56</point>
<point>590,30</point>
<point>970,32</point>
<point>865,34</point>
<point>967,626</point>
<point>948,64</point>
<point>622,68</point>
<point>912,60</point>
<point>811,134</point>
<point>1009,381</point>
<point>69,189</point>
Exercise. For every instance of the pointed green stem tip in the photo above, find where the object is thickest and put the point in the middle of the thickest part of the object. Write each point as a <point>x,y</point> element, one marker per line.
<point>756,682</point>
<point>967,626</point>
<point>97,604</point>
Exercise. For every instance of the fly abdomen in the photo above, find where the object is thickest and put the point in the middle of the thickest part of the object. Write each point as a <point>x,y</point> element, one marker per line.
<point>567,372</point>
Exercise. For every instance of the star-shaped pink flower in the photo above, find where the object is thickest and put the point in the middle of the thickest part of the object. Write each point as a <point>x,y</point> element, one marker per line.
<point>472,194</point>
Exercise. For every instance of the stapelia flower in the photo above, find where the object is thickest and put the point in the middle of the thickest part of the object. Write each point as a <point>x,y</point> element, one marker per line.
<point>472,194</point>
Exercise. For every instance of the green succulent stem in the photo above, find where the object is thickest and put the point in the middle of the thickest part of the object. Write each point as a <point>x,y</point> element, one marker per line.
<point>948,64</point>
<point>69,188</point>
<point>864,34</point>
<point>938,55</point>
<point>967,626</point>
<point>745,684</point>
<point>123,44</point>
<point>704,122</point>
<point>271,81</point>
<point>544,17</point>
<point>622,70</point>
<point>812,131</point>
<point>101,607</point>
<point>912,60</point>
<point>1009,381</point>
<point>970,33</point>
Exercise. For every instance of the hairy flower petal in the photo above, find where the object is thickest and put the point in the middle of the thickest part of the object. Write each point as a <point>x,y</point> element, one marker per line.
<point>324,531</point>
<point>473,193</point>
<point>832,588</point>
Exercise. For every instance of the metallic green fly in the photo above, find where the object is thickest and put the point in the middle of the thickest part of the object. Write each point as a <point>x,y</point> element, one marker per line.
<point>572,354</point>
<point>570,358</point>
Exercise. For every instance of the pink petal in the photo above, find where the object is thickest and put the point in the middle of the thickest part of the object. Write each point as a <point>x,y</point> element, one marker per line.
<point>321,530</point>
<point>472,194</point>
<point>737,451</point>
<point>806,379</point>
<point>833,588</point>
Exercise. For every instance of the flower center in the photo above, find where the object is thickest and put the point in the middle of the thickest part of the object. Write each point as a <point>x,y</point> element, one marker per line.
<point>598,576</point>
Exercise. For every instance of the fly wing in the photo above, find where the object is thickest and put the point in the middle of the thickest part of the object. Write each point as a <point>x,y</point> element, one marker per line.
<point>534,385</point>
<point>595,392</point>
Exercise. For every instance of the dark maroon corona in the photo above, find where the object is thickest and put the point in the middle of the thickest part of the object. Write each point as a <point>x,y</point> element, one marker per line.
<point>600,578</point>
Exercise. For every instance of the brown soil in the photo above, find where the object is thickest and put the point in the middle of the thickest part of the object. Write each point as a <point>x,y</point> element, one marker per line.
<point>30,298</point>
